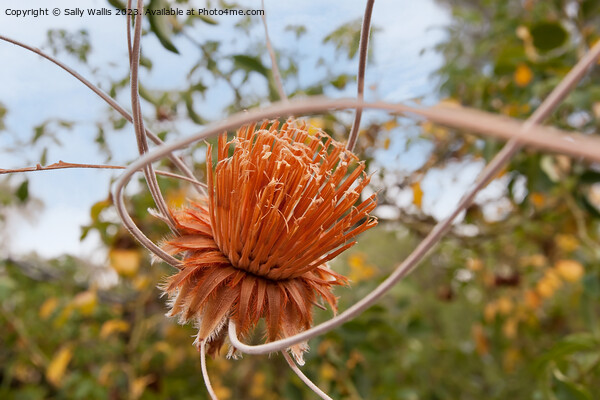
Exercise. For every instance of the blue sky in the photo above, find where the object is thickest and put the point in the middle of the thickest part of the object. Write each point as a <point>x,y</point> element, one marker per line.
<point>35,90</point>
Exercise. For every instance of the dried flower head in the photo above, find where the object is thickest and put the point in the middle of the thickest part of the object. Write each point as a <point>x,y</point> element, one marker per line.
<point>279,207</point>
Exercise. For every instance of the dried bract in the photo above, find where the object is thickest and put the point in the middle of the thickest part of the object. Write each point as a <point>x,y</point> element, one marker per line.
<point>281,204</point>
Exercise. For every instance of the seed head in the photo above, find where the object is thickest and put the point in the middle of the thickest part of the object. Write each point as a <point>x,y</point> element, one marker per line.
<point>281,204</point>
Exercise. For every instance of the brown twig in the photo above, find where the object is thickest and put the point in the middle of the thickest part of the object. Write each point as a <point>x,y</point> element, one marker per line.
<point>66,165</point>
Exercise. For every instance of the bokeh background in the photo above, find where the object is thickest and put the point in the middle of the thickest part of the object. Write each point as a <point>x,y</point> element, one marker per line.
<point>506,307</point>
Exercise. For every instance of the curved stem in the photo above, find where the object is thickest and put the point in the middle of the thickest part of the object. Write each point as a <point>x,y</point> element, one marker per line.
<point>274,67</point>
<point>362,66</point>
<point>553,139</point>
<point>304,378</point>
<point>574,144</point>
<point>438,231</point>
<point>209,388</point>
<point>111,102</point>
<point>138,121</point>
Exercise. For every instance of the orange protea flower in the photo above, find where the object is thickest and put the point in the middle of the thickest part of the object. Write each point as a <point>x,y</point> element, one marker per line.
<point>278,209</point>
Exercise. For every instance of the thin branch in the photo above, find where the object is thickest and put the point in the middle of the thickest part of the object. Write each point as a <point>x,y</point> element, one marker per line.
<point>274,67</point>
<point>111,102</point>
<point>304,378</point>
<point>138,120</point>
<point>362,67</point>
<point>209,387</point>
<point>65,165</point>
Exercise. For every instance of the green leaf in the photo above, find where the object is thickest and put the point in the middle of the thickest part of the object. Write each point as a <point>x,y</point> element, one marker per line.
<point>97,209</point>
<point>22,192</point>
<point>249,63</point>
<point>39,131</point>
<point>590,177</point>
<point>580,342</point>
<point>299,30</point>
<point>208,19</point>
<point>564,389</point>
<point>591,285</point>
<point>44,157</point>
<point>548,35</point>
<point>189,105</point>
<point>341,81</point>
<point>160,26</point>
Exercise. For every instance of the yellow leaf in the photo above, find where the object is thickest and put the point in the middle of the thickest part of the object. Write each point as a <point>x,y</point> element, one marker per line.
<point>257,387</point>
<point>509,328</point>
<point>58,365</point>
<point>386,143</point>
<point>475,264</point>
<point>315,125</point>
<point>532,299</point>
<point>355,358</point>
<point>534,260</point>
<point>176,198</point>
<point>505,305</point>
<point>359,269</point>
<point>548,284</point>
<point>48,307</point>
<point>85,302</point>
<point>141,282</point>
<point>523,75</point>
<point>482,345</point>
<point>317,122</point>
<point>538,199</point>
<point>221,392</point>
<point>567,243</point>
<point>569,270</point>
<point>324,346</point>
<point>125,262</point>
<point>489,312</point>
<point>417,194</point>
<point>104,374</point>
<point>389,125</point>
<point>113,326</point>
<point>327,372</point>
<point>138,386</point>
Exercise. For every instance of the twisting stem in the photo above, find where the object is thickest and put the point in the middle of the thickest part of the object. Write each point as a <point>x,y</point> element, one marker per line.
<point>362,66</point>
<point>303,377</point>
<point>111,102</point>
<point>274,67</point>
<point>427,244</point>
<point>138,121</point>
<point>574,144</point>
<point>209,387</point>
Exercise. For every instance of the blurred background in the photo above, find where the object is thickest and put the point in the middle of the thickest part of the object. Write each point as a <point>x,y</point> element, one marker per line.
<point>506,307</point>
